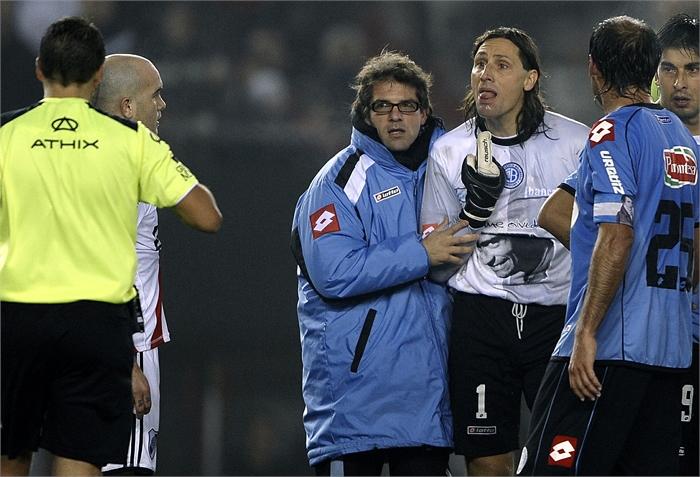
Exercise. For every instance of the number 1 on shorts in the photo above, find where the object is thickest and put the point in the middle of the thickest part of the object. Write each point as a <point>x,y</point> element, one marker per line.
<point>481,401</point>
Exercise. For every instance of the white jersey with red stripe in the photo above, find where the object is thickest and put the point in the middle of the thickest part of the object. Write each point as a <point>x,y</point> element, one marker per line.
<point>147,280</point>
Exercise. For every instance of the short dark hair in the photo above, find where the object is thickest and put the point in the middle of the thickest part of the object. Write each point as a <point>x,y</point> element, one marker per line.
<point>530,119</point>
<point>680,31</point>
<point>626,52</point>
<point>71,51</point>
<point>390,66</point>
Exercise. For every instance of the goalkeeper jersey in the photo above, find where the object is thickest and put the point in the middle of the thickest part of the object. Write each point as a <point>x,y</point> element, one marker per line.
<point>70,180</point>
<point>639,168</point>
<point>514,258</point>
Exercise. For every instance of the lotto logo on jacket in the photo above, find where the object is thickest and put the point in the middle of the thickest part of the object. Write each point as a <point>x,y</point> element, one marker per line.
<point>681,167</point>
<point>324,221</point>
<point>563,451</point>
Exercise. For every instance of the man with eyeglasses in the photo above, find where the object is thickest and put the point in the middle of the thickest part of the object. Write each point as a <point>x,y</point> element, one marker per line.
<point>373,328</point>
<point>504,325</point>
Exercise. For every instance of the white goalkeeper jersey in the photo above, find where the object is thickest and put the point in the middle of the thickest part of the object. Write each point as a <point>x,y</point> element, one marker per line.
<point>147,280</point>
<point>514,258</point>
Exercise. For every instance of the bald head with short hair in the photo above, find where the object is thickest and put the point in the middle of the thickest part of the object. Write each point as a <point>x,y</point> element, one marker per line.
<point>131,88</point>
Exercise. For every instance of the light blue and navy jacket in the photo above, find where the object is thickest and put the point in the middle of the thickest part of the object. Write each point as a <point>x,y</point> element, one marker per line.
<point>373,328</point>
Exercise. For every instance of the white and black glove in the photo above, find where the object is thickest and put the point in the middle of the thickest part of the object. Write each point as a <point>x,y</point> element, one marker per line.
<point>484,179</point>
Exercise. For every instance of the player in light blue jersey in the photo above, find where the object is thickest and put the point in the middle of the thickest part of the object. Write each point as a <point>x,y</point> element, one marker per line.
<point>678,84</point>
<point>678,79</point>
<point>628,319</point>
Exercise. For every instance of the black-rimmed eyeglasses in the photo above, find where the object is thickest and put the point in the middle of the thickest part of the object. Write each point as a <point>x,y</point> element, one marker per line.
<point>385,107</point>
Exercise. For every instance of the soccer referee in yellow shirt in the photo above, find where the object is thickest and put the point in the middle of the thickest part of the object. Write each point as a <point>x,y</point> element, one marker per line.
<point>71,177</point>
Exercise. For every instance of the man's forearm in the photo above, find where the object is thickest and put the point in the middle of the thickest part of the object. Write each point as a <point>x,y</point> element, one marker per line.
<point>608,265</point>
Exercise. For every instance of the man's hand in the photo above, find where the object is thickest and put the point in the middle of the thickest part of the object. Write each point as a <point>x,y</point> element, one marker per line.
<point>444,247</point>
<point>141,392</point>
<point>582,378</point>
<point>484,179</point>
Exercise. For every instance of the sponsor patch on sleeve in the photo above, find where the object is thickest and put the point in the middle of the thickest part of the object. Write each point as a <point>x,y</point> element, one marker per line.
<point>324,221</point>
<point>603,130</point>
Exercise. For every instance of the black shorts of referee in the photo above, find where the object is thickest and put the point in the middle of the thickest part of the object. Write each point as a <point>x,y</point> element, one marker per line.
<point>66,379</point>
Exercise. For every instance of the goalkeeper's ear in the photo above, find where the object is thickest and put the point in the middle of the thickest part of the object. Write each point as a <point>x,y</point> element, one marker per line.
<point>530,80</point>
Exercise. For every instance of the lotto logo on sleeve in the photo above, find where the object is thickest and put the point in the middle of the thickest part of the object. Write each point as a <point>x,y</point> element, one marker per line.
<point>603,130</point>
<point>563,451</point>
<point>324,221</point>
<point>681,167</point>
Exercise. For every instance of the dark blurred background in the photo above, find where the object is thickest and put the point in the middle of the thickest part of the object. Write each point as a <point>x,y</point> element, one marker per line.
<point>258,101</point>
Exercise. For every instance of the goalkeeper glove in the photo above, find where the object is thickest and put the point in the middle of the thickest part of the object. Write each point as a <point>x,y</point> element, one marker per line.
<point>484,179</point>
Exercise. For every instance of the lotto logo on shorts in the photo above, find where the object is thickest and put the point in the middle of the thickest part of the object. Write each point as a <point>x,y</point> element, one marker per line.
<point>481,430</point>
<point>603,130</point>
<point>324,221</point>
<point>563,451</point>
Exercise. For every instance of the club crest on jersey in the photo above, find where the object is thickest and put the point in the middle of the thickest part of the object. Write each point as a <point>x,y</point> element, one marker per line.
<point>514,175</point>
<point>324,221</point>
<point>562,451</point>
<point>603,130</point>
<point>152,443</point>
<point>387,194</point>
<point>680,167</point>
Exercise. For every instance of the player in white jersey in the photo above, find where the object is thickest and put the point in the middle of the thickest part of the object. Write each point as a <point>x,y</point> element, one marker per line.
<point>678,85</point>
<point>511,294</point>
<point>132,89</point>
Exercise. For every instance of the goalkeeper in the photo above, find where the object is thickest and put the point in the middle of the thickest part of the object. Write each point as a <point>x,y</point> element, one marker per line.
<point>496,170</point>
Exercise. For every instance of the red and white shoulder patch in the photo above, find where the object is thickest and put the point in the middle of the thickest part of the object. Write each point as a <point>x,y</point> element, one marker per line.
<point>324,221</point>
<point>603,130</point>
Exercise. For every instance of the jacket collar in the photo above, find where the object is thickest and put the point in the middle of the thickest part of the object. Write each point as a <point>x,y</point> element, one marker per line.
<point>365,138</point>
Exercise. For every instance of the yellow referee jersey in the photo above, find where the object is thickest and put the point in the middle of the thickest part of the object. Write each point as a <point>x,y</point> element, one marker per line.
<point>71,177</point>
